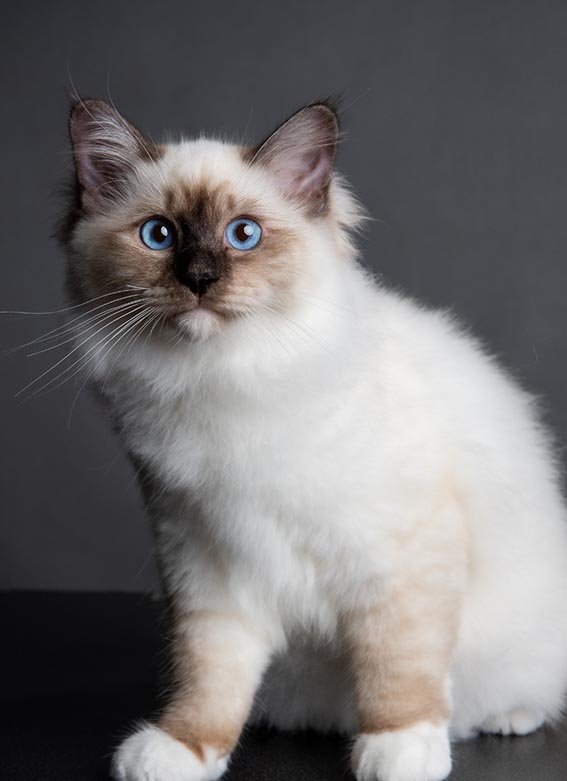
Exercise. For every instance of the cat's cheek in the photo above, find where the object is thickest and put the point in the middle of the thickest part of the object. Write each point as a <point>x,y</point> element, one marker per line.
<point>199,324</point>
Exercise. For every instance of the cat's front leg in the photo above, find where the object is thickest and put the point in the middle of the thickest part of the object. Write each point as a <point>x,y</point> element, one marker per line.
<point>401,655</point>
<point>219,660</point>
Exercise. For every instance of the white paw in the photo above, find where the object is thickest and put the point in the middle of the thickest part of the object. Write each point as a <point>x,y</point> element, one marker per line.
<point>519,721</point>
<point>421,753</point>
<point>150,754</point>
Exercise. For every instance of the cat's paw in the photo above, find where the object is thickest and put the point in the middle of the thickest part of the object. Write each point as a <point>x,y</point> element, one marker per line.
<point>520,721</point>
<point>420,753</point>
<point>150,754</point>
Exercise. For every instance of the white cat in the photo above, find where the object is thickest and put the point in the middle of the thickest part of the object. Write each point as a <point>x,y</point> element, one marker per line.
<point>356,512</point>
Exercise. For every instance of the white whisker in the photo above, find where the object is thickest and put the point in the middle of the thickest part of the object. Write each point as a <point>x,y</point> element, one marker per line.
<point>80,363</point>
<point>308,298</point>
<point>66,327</point>
<point>109,346</point>
<point>77,347</point>
<point>96,320</point>
<point>66,308</point>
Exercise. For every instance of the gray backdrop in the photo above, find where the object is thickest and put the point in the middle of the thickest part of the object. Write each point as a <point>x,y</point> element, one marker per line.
<point>456,131</point>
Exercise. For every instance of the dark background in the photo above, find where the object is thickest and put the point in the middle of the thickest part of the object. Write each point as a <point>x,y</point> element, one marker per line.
<point>455,118</point>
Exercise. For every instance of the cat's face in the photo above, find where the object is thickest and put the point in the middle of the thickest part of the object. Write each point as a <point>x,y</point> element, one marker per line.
<point>205,232</point>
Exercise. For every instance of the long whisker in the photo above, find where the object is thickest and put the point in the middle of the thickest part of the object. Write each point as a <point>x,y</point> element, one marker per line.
<point>265,333</point>
<point>67,308</point>
<point>78,347</point>
<point>97,320</point>
<point>274,331</point>
<point>66,327</point>
<point>304,330</point>
<point>159,316</point>
<point>334,304</point>
<point>80,363</point>
<point>141,323</point>
<point>301,328</point>
<point>94,369</point>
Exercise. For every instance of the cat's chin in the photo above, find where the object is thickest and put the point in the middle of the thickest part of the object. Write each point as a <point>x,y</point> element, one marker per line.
<point>199,324</point>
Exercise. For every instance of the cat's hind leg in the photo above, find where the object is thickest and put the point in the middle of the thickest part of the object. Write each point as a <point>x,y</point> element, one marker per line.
<point>401,651</point>
<point>510,667</point>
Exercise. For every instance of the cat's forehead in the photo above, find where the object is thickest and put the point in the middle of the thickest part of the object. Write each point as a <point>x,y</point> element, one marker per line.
<point>193,161</point>
<point>207,175</point>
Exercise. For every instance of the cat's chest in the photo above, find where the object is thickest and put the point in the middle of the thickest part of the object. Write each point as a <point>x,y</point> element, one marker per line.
<point>291,489</point>
<point>204,439</point>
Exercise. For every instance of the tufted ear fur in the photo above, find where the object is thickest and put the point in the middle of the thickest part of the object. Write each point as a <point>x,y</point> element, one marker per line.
<point>106,148</point>
<point>300,155</point>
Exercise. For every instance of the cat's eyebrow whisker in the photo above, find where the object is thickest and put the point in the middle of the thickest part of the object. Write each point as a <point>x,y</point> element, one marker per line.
<point>348,106</point>
<point>138,139</point>
<point>245,131</point>
<point>126,125</point>
<point>77,347</point>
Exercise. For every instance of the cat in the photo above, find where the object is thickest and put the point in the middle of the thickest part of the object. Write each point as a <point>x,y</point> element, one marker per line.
<point>357,513</point>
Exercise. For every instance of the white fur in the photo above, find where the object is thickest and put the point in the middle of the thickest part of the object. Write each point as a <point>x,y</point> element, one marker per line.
<point>421,753</point>
<point>517,722</point>
<point>297,446</point>
<point>150,754</point>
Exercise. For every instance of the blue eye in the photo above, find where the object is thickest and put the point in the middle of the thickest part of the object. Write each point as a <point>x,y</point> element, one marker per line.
<point>157,233</point>
<point>243,233</point>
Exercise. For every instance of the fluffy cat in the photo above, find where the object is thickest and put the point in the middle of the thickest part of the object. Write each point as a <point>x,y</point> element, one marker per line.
<point>357,514</point>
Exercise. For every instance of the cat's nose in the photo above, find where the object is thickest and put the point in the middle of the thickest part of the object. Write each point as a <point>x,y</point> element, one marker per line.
<point>199,282</point>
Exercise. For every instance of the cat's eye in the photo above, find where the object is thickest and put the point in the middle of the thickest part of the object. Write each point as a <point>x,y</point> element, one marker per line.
<point>157,233</point>
<point>243,233</point>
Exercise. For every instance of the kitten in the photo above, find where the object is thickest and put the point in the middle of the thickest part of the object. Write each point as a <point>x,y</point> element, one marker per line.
<point>356,511</point>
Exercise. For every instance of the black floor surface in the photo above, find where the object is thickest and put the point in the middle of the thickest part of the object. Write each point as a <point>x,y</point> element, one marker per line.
<point>79,668</point>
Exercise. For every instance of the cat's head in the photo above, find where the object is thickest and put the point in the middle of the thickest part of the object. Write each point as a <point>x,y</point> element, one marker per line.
<point>204,232</point>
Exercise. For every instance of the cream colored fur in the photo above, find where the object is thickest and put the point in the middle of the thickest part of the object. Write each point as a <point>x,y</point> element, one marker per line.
<point>356,505</point>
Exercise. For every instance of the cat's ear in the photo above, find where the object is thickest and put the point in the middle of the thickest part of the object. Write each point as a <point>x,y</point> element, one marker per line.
<point>106,148</point>
<point>300,155</point>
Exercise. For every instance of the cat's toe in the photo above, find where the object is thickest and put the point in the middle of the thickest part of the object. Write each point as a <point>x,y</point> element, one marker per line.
<point>519,721</point>
<point>150,754</point>
<point>420,753</point>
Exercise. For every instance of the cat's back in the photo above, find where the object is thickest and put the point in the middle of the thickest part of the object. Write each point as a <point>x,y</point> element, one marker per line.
<point>428,356</point>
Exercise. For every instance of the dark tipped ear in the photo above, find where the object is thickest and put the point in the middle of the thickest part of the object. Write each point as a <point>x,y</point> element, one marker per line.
<point>300,155</point>
<point>106,148</point>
